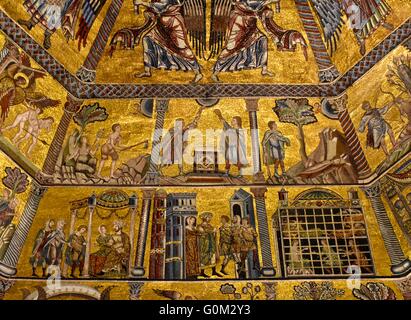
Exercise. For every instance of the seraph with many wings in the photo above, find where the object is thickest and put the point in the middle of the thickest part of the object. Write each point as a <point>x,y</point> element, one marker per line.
<point>363,17</point>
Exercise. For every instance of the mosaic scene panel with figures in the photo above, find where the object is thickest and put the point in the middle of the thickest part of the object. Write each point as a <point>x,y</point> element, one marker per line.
<point>205,149</point>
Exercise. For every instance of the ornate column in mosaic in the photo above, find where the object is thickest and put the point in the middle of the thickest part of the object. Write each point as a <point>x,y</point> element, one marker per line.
<point>351,136</point>
<point>157,243</point>
<point>92,202</point>
<point>8,265</point>
<point>399,263</point>
<point>71,106</point>
<point>252,108</point>
<point>267,268</point>
<point>398,191</point>
<point>138,270</point>
<point>132,204</point>
<point>152,176</point>
<point>385,184</point>
<point>87,71</point>
<point>327,71</point>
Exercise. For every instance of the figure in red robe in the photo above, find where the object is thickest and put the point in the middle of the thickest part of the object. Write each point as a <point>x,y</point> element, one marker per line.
<point>165,36</point>
<point>243,45</point>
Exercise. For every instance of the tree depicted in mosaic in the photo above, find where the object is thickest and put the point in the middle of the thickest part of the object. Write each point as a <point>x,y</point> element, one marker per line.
<point>77,158</point>
<point>398,77</point>
<point>89,114</point>
<point>299,113</point>
<point>399,73</point>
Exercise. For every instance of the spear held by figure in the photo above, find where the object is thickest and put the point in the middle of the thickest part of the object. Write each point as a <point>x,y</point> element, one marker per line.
<point>145,143</point>
<point>112,147</point>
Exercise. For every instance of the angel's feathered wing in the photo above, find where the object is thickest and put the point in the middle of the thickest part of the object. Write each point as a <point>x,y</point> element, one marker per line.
<point>220,19</point>
<point>69,20</point>
<point>41,101</point>
<point>330,15</point>
<point>194,12</point>
<point>9,53</point>
<point>90,9</point>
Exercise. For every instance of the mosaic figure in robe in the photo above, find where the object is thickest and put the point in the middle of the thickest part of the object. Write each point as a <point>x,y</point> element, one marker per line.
<point>237,41</point>
<point>164,36</point>
<point>364,17</point>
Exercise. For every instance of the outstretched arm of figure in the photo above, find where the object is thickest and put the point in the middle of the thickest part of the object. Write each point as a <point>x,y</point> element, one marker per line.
<point>284,139</point>
<point>387,107</point>
<point>119,145</point>
<point>20,121</point>
<point>197,117</point>
<point>220,116</point>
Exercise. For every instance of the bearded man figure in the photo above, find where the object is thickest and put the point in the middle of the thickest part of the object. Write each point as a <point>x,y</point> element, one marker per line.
<point>119,252</point>
<point>164,35</point>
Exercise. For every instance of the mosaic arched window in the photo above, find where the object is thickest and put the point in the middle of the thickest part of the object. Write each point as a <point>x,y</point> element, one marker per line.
<point>322,234</point>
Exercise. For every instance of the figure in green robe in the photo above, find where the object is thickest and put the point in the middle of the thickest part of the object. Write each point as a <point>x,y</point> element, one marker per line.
<point>274,143</point>
<point>76,249</point>
<point>208,245</point>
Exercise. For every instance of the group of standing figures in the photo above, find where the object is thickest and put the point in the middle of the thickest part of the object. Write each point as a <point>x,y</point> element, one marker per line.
<point>112,257</point>
<point>205,245</point>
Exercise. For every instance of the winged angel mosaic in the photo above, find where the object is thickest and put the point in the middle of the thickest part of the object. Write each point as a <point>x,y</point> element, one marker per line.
<point>174,36</point>
<point>74,17</point>
<point>363,18</point>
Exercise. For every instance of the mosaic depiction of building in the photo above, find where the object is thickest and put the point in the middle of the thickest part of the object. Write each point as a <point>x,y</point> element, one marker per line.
<point>205,149</point>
